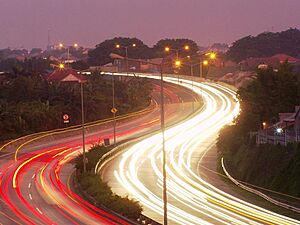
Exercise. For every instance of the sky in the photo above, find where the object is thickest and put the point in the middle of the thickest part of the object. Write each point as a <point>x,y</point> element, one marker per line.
<point>25,23</point>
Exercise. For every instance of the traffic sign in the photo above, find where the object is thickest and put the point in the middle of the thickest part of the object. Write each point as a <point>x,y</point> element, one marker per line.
<point>114,110</point>
<point>66,118</point>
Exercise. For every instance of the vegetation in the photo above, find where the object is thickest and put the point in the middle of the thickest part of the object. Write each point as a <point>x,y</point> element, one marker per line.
<point>100,55</point>
<point>28,103</point>
<point>269,166</point>
<point>266,44</point>
<point>99,190</point>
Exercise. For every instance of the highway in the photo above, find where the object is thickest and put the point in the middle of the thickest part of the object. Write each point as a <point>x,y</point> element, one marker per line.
<point>137,172</point>
<point>36,188</point>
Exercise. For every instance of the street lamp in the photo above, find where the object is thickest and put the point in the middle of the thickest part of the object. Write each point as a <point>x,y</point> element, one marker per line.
<point>162,124</point>
<point>118,46</point>
<point>177,62</point>
<point>80,81</point>
<point>202,64</point>
<point>61,66</point>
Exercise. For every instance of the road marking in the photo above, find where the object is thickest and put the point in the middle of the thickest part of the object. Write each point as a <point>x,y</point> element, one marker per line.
<point>30,196</point>
<point>39,210</point>
<point>33,176</point>
<point>29,185</point>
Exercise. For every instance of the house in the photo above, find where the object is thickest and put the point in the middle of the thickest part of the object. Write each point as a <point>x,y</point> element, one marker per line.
<point>67,74</point>
<point>287,130</point>
<point>274,61</point>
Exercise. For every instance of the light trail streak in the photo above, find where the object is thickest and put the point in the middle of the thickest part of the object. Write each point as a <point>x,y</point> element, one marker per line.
<point>192,200</point>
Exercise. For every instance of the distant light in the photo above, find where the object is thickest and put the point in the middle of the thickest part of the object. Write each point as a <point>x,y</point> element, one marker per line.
<point>167,49</point>
<point>264,123</point>
<point>205,62</point>
<point>279,130</point>
<point>61,66</point>
<point>177,63</point>
<point>75,45</point>
<point>118,46</point>
<point>186,47</point>
<point>213,55</point>
<point>188,56</point>
<point>61,45</point>
<point>133,45</point>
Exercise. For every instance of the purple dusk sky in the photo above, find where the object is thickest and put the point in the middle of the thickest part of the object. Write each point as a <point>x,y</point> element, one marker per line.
<point>89,22</point>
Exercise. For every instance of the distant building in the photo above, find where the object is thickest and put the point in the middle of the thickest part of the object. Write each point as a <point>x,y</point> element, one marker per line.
<point>60,75</point>
<point>287,130</point>
<point>274,61</point>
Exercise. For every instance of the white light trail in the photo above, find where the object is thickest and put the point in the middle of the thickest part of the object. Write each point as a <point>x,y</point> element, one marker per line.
<point>192,200</point>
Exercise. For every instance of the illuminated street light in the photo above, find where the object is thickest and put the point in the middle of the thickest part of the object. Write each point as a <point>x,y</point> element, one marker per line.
<point>60,45</point>
<point>177,63</point>
<point>186,47</point>
<point>279,130</point>
<point>205,62</point>
<point>75,45</point>
<point>212,55</point>
<point>61,66</point>
<point>167,49</point>
<point>126,52</point>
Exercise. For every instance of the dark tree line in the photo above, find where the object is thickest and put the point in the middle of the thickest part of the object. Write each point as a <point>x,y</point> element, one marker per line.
<point>271,166</point>
<point>100,55</point>
<point>266,44</point>
<point>29,103</point>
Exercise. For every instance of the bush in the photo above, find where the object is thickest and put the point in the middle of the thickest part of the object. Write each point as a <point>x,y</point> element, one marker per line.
<point>99,190</point>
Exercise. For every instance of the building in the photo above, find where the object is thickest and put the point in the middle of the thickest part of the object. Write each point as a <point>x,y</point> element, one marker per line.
<point>287,130</point>
<point>61,75</point>
<point>274,61</point>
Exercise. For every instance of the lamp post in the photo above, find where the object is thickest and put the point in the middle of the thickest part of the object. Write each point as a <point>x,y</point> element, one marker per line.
<point>61,46</point>
<point>114,110</point>
<point>126,53</point>
<point>82,125</point>
<point>202,64</point>
<point>80,81</point>
<point>162,124</point>
<point>177,62</point>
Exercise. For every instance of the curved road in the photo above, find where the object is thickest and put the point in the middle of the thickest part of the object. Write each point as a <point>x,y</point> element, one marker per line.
<point>191,200</point>
<point>35,188</point>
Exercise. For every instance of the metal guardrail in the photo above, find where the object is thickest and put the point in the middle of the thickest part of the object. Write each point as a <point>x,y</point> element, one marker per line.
<point>254,191</point>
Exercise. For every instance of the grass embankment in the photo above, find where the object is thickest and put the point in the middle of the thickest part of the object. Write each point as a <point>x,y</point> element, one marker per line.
<point>99,190</point>
<point>273,167</point>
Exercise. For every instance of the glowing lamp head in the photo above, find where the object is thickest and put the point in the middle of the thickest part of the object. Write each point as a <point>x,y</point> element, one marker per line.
<point>133,45</point>
<point>212,55</point>
<point>186,47</point>
<point>205,62</point>
<point>118,46</point>
<point>177,63</point>
<point>60,45</point>
<point>167,49</point>
<point>75,45</point>
<point>61,66</point>
<point>264,124</point>
<point>279,130</point>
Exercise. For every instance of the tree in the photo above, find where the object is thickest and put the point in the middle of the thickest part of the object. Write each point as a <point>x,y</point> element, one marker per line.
<point>100,55</point>
<point>266,44</point>
<point>271,93</point>
<point>176,44</point>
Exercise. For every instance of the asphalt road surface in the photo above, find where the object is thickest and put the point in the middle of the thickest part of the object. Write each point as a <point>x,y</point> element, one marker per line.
<point>35,188</point>
<point>191,200</point>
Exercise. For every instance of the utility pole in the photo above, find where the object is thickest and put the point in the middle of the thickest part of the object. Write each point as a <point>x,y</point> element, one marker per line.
<point>83,128</point>
<point>162,115</point>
